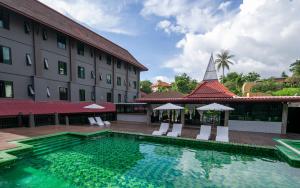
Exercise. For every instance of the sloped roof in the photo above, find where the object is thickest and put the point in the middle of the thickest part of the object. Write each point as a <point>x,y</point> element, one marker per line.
<point>45,15</point>
<point>160,83</point>
<point>211,89</point>
<point>186,100</point>
<point>166,94</point>
<point>12,107</point>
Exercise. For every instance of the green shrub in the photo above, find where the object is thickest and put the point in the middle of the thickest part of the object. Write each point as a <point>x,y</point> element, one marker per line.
<point>287,92</point>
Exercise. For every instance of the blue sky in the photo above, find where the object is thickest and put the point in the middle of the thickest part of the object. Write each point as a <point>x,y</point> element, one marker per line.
<point>175,36</point>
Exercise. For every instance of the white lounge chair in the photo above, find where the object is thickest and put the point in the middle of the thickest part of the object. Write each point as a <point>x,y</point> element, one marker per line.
<point>100,122</point>
<point>205,131</point>
<point>176,130</point>
<point>163,129</point>
<point>92,121</point>
<point>222,134</point>
<point>104,123</point>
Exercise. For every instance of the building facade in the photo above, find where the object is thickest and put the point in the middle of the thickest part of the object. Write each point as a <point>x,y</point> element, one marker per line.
<point>45,56</point>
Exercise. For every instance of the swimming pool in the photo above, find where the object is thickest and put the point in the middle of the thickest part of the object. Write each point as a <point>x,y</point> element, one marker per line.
<point>121,160</point>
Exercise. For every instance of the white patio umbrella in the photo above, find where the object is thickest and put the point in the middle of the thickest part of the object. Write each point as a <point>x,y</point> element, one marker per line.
<point>214,107</point>
<point>94,106</point>
<point>168,107</point>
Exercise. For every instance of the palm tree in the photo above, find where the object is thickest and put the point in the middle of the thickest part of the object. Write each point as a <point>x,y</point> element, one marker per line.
<point>223,61</point>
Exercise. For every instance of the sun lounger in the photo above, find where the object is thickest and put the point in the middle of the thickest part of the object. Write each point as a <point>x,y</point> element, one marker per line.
<point>176,130</point>
<point>100,122</point>
<point>92,121</point>
<point>222,134</point>
<point>162,130</point>
<point>205,131</point>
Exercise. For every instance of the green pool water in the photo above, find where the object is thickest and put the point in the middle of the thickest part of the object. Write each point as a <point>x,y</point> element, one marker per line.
<point>130,162</point>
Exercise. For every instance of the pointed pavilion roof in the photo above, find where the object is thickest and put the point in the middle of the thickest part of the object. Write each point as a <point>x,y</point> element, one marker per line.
<point>210,87</point>
<point>210,73</point>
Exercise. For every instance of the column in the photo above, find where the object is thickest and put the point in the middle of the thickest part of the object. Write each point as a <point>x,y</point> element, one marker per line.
<point>149,112</point>
<point>67,120</point>
<point>31,120</point>
<point>20,120</point>
<point>285,108</point>
<point>56,119</point>
<point>226,118</point>
<point>182,117</point>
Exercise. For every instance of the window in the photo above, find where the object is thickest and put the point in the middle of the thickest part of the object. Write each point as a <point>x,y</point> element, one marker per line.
<point>134,85</point>
<point>92,75</point>
<point>62,68</point>
<point>30,90</point>
<point>134,70</point>
<point>81,72</point>
<point>118,64</point>
<point>48,92</point>
<point>63,93</point>
<point>5,55</point>
<point>28,60</point>
<point>6,89</point>
<point>108,97</point>
<point>4,19</point>
<point>80,48</point>
<point>100,57</point>
<point>45,34</point>
<point>108,59</point>
<point>81,95</point>
<point>46,65</point>
<point>61,41</point>
<point>119,97</point>
<point>108,78</point>
<point>129,68</point>
<point>119,81</point>
<point>27,28</point>
<point>100,77</point>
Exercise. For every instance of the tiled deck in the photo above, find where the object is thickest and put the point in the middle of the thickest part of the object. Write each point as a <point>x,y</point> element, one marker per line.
<point>7,135</point>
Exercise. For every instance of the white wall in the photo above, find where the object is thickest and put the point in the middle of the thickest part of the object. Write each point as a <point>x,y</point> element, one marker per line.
<point>132,117</point>
<point>255,126</point>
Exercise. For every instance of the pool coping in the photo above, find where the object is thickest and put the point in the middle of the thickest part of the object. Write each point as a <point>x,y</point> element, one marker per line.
<point>9,155</point>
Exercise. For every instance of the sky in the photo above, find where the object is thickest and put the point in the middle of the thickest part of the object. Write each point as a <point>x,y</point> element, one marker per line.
<point>172,37</point>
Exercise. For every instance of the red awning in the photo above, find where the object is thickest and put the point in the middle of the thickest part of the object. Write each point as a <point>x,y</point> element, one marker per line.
<point>12,107</point>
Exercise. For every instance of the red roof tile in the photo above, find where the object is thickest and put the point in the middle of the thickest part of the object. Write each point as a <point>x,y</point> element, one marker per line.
<point>211,89</point>
<point>43,14</point>
<point>223,99</point>
<point>12,107</point>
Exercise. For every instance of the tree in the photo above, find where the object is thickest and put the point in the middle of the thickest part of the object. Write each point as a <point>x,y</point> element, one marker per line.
<point>184,84</point>
<point>223,61</point>
<point>251,77</point>
<point>145,86</point>
<point>295,68</point>
<point>284,75</point>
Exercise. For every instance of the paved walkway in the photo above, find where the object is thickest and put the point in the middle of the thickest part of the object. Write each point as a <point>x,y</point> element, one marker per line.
<point>7,135</point>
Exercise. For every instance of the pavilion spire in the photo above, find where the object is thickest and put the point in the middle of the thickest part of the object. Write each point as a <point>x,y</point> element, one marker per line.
<point>210,73</point>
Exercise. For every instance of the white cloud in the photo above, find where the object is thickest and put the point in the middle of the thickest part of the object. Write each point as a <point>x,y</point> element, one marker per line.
<point>262,34</point>
<point>94,14</point>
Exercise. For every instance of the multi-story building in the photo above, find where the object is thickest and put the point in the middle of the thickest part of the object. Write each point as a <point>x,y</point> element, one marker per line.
<point>47,56</point>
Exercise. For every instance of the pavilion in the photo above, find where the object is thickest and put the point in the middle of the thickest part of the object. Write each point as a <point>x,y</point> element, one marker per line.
<point>269,114</point>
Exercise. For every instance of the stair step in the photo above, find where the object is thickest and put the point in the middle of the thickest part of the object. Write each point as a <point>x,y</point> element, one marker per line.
<point>44,141</point>
<point>48,150</point>
<point>55,144</point>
